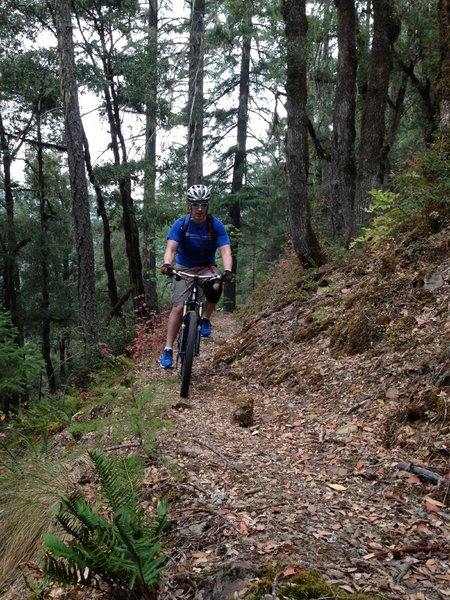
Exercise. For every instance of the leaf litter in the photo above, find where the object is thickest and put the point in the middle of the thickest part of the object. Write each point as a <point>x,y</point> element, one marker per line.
<point>314,481</point>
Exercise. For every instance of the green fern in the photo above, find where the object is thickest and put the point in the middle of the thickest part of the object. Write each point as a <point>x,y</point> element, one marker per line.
<point>123,551</point>
<point>119,490</point>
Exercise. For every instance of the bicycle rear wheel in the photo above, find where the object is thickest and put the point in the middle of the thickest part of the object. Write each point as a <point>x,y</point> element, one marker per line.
<point>187,356</point>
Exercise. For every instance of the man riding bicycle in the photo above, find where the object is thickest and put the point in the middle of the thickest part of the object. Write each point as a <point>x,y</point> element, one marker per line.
<point>194,240</point>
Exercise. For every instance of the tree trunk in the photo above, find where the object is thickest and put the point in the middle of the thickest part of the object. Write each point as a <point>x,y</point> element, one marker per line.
<point>240,159</point>
<point>426,92</point>
<point>130,228</point>
<point>443,83</point>
<point>151,91</point>
<point>45,295</point>
<point>195,100</point>
<point>396,106</point>
<point>80,200</point>
<point>343,168</point>
<point>304,240</point>
<point>370,169</point>
<point>119,150</point>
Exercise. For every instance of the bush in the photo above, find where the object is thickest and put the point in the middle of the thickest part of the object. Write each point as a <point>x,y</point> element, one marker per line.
<point>418,198</point>
<point>19,365</point>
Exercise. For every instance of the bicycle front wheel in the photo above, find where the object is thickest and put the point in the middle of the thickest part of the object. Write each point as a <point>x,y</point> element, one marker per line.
<point>187,358</point>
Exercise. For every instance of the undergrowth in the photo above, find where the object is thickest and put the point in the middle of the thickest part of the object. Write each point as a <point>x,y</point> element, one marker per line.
<point>29,491</point>
<point>115,542</point>
<point>417,202</point>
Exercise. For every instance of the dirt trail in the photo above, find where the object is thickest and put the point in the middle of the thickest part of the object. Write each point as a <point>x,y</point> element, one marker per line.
<point>309,484</point>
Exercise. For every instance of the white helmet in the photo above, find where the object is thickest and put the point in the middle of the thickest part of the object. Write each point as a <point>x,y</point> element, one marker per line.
<point>198,193</point>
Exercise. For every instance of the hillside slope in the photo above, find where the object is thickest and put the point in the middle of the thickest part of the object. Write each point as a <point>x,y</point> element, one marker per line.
<point>347,372</point>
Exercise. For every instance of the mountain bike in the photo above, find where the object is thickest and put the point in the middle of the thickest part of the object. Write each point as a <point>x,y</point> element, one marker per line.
<point>189,336</point>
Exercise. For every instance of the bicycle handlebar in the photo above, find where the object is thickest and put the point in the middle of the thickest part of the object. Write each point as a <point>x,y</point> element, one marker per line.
<point>212,277</point>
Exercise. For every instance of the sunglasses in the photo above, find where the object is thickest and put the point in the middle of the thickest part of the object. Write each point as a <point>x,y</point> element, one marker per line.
<point>199,204</point>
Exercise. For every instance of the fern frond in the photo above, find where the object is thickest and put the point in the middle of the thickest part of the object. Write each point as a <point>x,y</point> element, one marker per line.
<point>116,492</point>
<point>123,552</point>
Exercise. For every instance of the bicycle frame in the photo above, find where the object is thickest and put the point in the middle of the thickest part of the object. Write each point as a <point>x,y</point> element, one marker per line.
<point>188,345</point>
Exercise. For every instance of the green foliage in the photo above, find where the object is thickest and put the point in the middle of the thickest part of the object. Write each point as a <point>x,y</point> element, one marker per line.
<point>19,365</point>
<point>45,416</point>
<point>419,199</point>
<point>122,549</point>
<point>118,404</point>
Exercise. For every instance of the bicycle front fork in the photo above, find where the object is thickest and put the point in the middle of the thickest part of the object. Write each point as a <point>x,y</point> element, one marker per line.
<point>183,330</point>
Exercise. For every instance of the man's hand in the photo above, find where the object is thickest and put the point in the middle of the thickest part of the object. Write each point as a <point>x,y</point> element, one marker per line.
<point>227,276</point>
<point>167,269</point>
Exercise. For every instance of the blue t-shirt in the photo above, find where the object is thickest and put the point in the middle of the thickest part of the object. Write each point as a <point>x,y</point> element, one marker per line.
<point>198,247</point>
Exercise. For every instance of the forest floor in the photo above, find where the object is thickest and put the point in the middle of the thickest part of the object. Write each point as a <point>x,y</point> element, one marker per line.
<point>290,441</point>
<point>316,435</point>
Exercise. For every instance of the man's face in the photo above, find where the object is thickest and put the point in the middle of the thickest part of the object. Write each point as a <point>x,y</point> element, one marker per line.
<point>199,210</point>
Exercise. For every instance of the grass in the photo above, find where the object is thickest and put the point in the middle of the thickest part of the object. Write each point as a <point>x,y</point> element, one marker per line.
<point>29,489</point>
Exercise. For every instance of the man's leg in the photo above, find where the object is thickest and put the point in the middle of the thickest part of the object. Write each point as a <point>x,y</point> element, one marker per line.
<point>208,309</point>
<point>173,324</point>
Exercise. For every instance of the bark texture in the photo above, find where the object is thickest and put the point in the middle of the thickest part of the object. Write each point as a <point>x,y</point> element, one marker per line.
<point>78,182</point>
<point>370,170</point>
<point>304,240</point>
<point>343,168</point>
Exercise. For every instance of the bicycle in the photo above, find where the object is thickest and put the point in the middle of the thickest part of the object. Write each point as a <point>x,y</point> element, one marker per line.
<point>189,335</point>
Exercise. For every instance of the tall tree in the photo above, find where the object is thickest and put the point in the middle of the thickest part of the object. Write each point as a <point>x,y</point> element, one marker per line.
<point>103,214</point>
<point>343,169</point>
<point>240,158</point>
<point>195,94</point>
<point>78,182</point>
<point>443,83</point>
<point>304,239</point>
<point>44,257</point>
<point>151,93</point>
<point>103,53</point>
<point>385,31</point>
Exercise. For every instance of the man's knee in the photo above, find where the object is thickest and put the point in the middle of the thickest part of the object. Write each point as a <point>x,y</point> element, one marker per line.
<point>177,309</point>
<point>213,291</point>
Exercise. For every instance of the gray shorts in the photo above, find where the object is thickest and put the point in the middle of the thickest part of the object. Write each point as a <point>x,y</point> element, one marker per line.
<point>181,288</point>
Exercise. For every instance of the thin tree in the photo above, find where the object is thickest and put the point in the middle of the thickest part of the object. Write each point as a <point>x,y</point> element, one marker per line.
<point>103,214</point>
<point>9,242</point>
<point>240,159</point>
<point>149,229</point>
<point>78,182</point>
<point>195,107</point>
<point>304,239</point>
<point>44,258</point>
<point>105,50</point>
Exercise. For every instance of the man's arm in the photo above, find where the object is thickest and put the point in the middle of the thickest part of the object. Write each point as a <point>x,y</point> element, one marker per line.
<point>170,252</point>
<point>227,257</point>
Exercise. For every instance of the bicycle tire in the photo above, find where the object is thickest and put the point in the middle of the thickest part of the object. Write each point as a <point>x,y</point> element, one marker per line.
<point>188,353</point>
